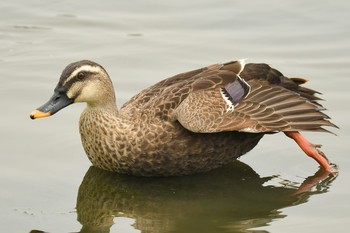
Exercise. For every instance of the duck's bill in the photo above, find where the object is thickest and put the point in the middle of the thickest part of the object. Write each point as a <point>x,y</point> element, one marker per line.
<point>58,101</point>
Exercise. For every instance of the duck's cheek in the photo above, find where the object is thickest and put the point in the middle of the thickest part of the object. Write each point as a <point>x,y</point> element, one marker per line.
<point>88,93</point>
<point>73,92</point>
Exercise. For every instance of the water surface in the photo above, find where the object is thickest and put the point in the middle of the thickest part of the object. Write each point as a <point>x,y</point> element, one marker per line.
<point>45,176</point>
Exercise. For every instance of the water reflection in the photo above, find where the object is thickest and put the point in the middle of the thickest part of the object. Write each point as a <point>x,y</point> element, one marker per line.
<point>229,199</point>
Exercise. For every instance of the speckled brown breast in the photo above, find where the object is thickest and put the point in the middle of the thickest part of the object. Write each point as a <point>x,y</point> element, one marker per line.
<point>158,148</point>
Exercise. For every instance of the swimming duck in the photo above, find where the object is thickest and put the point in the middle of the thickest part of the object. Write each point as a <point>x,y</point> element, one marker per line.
<point>192,122</point>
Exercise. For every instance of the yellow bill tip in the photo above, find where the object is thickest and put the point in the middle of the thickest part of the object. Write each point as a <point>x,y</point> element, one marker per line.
<point>39,114</point>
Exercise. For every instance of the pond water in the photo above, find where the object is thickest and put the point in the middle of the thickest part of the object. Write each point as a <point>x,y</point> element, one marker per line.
<point>46,180</point>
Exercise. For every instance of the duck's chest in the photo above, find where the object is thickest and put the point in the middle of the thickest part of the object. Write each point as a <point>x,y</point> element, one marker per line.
<point>105,140</point>
<point>124,145</point>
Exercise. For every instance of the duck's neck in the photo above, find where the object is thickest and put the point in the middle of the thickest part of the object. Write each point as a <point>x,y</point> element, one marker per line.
<point>102,132</point>
<point>106,101</point>
<point>108,107</point>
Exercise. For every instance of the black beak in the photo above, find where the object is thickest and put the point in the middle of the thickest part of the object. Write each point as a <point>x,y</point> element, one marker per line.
<point>58,101</point>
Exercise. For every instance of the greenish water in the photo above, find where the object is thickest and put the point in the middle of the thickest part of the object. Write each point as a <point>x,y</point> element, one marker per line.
<point>46,180</point>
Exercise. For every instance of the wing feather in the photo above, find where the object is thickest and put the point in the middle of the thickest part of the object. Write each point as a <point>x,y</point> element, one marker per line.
<point>208,100</point>
<point>267,108</point>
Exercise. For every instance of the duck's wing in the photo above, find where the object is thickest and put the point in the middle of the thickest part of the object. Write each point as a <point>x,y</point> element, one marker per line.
<point>261,71</point>
<point>173,89</point>
<point>254,105</point>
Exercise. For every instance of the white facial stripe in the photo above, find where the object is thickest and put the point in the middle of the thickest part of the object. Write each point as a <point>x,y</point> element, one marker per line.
<point>86,68</point>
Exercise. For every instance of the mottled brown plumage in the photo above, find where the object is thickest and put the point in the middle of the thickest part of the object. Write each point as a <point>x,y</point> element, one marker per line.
<point>191,122</point>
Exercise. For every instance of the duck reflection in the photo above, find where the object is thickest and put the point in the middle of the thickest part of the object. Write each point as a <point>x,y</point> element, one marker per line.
<point>230,199</point>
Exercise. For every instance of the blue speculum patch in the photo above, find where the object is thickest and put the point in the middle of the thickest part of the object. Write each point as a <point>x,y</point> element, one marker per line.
<point>236,91</point>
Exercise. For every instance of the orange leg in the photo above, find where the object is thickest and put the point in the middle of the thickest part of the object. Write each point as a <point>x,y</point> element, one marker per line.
<point>310,149</point>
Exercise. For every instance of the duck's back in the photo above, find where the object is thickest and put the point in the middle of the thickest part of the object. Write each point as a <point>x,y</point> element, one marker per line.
<point>170,92</point>
<point>199,98</point>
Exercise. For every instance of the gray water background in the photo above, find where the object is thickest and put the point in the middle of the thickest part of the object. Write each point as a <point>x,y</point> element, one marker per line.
<point>139,43</point>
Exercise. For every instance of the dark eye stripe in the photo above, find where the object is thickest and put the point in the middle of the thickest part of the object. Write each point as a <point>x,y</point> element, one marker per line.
<point>87,74</point>
<point>71,72</point>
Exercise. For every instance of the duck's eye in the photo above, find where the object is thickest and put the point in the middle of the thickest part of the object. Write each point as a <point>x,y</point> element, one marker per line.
<point>81,75</point>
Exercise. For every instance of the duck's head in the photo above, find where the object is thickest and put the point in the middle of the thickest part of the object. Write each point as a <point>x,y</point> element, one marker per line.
<point>82,81</point>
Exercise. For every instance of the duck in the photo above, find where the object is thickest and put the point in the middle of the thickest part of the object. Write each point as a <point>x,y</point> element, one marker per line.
<point>189,123</point>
